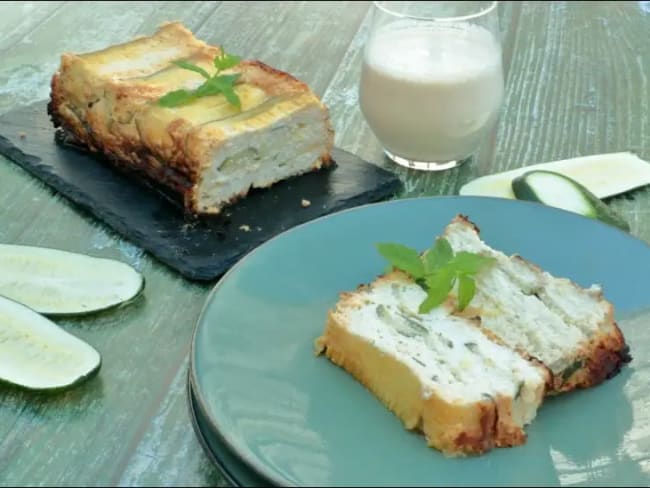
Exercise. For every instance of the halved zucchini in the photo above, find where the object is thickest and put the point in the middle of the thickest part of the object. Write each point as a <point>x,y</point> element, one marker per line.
<point>557,190</point>
<point>55,282</point>
<point>604,175</point>
<point>36,354</point>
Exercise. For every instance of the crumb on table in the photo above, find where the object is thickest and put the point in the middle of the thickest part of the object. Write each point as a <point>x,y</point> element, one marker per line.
<point>305,203</point>
<point>245,228</point>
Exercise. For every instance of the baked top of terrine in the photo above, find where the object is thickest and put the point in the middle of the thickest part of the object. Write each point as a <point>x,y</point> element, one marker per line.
<point>209,150</point>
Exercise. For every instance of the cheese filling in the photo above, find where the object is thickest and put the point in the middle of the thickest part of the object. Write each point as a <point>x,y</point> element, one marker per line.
<point>257,158</point>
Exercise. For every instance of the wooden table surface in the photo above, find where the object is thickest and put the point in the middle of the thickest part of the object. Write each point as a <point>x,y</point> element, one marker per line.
<point>578,82</point>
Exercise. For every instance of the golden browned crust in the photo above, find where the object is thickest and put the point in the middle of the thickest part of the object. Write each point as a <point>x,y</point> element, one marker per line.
<point>453,428</point>
<point>271,80</point>
<point>114,114</point>
<point>464,219</point>
<point>600,359</point>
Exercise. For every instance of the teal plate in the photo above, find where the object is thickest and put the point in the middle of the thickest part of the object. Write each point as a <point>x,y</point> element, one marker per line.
<point>232,468</point>
<point>296,419</point>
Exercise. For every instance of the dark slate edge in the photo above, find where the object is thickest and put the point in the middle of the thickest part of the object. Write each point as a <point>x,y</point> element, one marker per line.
<point>91,207</point>
<point>97,209</point>
<point>386,189</point>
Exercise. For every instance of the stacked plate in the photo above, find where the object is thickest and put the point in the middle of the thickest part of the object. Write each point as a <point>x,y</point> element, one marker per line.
<point>232,468</point>
<point>267,410</point>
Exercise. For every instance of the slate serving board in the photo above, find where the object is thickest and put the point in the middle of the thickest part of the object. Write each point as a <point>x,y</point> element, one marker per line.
<point>200,249</point>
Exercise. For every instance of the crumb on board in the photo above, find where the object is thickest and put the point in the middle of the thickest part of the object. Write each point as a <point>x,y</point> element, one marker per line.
<point>22,134</point>
<point>245,228</point>
<point>305,203</point>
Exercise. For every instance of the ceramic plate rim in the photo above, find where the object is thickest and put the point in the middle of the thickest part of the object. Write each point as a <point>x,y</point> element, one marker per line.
<point>244,454</point>
<point>225,472</point>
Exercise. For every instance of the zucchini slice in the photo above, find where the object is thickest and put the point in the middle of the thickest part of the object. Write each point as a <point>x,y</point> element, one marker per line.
<point>604,175</point>
<point>55,282</point>
<point>36,354</point>
<point>557,190</point>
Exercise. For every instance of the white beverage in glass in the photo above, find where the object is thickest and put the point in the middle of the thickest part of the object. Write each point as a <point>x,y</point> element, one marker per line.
<point>431,89</point>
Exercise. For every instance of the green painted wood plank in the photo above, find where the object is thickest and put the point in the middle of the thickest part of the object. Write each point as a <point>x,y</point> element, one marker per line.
<point>144,346</point>
<point>577,82</point>
<point>305,39</point>
<point>578,85</point>
<point>32,214</point>
<point>28,64</point>
<point>169,450</point>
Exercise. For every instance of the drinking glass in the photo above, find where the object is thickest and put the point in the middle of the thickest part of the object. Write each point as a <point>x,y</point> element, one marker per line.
<point>431,83</point>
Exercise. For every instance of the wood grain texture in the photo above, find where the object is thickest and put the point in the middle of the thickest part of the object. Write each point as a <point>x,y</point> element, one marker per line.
<point>577,83</point>
<point>354,134</point>
<point>130,425</point>
<point>18,19</point>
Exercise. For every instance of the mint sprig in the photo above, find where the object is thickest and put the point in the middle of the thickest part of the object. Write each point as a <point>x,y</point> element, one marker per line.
<point>404,258</point>
<point>214,84</point>
<point>437,270</point>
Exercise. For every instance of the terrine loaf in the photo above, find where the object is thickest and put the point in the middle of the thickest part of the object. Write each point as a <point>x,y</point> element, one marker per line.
<point>208,151</point>
<point>438,373</point>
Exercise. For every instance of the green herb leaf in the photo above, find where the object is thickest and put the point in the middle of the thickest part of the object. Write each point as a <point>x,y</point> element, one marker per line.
<point>192,67</point>
<point>231,96</point>
<point>466,291</point>
<point>221,84</point>
<point>216,84</point>
<point>226,61</point>
<point>437,271</point>
<point>439,255</point>
<point>207,89</point>
<point>402,257</point>
<point>438,285</point>
<point>230,79</point>
<point>176,98</point>
<point>469,263</point>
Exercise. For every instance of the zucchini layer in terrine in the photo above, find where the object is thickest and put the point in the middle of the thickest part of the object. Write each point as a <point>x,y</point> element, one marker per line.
<point>209,152</point>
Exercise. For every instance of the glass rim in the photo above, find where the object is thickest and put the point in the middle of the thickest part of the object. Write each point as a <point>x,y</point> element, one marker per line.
<point>459,18</point>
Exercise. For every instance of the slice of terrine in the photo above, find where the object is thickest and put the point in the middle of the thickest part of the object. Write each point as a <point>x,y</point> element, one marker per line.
<point>439,374</point>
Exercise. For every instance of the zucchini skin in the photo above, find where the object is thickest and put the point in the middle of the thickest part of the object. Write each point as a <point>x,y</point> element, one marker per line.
<point>97,311</point>
<point>601,211</point>
<point>5,382</point>
<point>76,255</point>
<point>56,390</point>
<point>523,191</point>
